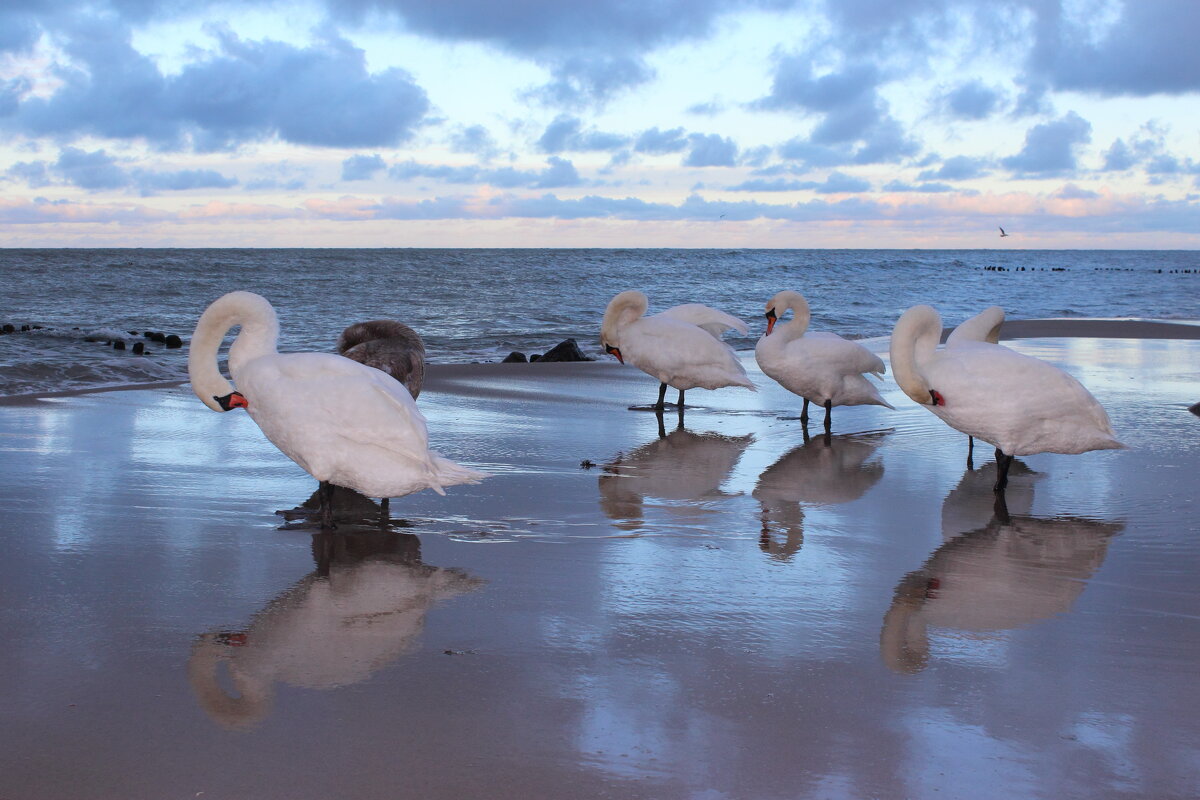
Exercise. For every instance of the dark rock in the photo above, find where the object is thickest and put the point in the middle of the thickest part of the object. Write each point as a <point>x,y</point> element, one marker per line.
<point>8,328</point>
<point>535,357</point>
<point>119,344</point>
<point>567,350</point>
<point>172,341</point>
<point>515,358</point>
<point>156,336</point>
<point>132,333</point>
<point>1195,409</point>
<point>139,348</point>
<point>24,328</point>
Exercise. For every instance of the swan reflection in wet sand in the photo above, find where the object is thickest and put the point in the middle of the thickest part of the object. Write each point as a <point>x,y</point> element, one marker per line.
<point>971,504</point>
<point>1014,571</point>
<point>823,471</point>
<point>361,608</point>
<point>680,465</point>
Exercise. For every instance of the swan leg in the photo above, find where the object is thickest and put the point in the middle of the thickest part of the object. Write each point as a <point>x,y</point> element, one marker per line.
<point>1003,462</point>
<point>828,417</point>
<point>662,394</point>
<point>322,550</point>
<point>1000,509</point>
<point>804,413</point>
<point>681,400</point>
<point>326,509</point>
<point>385,516</point>
<point>970,452</point>
<point>662,428</point>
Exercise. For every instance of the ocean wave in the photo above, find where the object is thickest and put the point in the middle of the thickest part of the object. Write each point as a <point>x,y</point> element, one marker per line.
<point>477,306</point>
<point>56,375</point>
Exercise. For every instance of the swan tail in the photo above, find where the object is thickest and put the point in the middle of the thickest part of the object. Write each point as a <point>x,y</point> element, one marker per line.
<point>445,472</point>
<point>749,384</point>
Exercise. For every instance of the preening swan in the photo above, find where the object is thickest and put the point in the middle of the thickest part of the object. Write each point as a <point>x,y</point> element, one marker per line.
<point>983,327</point>
<point>679,353</point>
<point>1018,404</point>
<point>343,422</point>
<point>387,345</point>
<point>821,367</point>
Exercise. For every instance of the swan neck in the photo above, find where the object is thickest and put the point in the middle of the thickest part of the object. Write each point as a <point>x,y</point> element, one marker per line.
<point>258,336</point>
<point>914,341</point>
<point>624,309</point>
<point>801,317</point>
<point>232,712</point>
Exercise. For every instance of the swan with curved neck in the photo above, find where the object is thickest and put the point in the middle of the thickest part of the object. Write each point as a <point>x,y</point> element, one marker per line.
<point>1019,404</point>
<point>343,422</point>
<point>680,353</point>
<point>821,367</point>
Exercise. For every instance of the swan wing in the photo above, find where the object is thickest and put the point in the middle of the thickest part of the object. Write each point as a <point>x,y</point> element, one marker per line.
<point>831,352</point>
<point>1019,403</point>
<point>702,316</point>
<point>679,353</point>
<point>338,401</point>
<point>983,327</point>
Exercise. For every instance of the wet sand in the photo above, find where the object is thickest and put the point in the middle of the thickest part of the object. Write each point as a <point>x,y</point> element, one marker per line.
<point>719,611</point>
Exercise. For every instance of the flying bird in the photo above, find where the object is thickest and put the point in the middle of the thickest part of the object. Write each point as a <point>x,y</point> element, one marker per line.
<point>1002,233</point>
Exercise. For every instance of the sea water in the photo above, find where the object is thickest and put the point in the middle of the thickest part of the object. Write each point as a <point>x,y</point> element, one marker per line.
<point>478,305</point>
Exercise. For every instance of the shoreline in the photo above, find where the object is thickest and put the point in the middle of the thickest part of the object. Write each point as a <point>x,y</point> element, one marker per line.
<point>559,628</point>
<point>438,374</point>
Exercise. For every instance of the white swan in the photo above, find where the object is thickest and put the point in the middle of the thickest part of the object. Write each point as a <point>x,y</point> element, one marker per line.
<point>1017,403</point>
<point>343,422</point>
<point>387,345</point>
<point>821,367</point>
<point>679,353</point>
<point>983,327</point>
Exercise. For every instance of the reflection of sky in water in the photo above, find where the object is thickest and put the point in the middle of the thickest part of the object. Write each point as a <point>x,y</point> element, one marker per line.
<point>673,651</point>
<point>950,758</point>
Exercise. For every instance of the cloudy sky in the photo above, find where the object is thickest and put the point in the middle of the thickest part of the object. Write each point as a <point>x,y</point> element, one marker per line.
<point>763,123</point>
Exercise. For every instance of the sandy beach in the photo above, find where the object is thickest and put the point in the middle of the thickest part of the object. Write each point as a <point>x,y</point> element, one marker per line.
<point>719,610</point>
